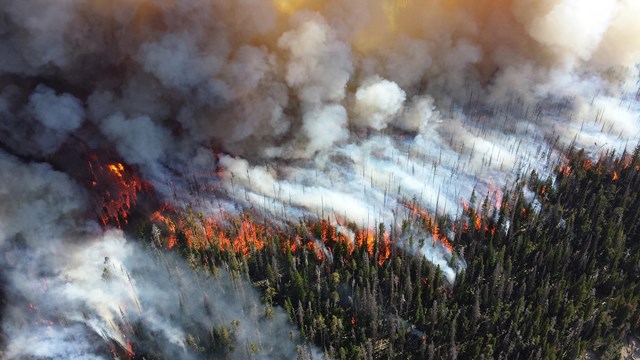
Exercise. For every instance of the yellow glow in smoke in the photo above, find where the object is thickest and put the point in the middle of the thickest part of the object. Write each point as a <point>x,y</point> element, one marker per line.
<point>450,4</point>
<point>412,18</point>
<point>393,10</point>
<point>379,33</point>
<point>288,7</point>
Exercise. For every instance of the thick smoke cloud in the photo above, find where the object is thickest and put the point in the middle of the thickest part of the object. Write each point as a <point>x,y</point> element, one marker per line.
<point>252,77</point>
<point>138,140</point>
<point>377,103</point>
<point>72,292</point>
<point>63,113</point>
<point>335,108</point>
<point>37,200</point>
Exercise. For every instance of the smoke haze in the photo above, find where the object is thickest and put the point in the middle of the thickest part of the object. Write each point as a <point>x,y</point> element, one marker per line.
<point>75,292</point>
<point>293,108</point>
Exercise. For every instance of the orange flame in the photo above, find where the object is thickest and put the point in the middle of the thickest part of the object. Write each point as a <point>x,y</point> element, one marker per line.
<point>431,225</point>
<point>367,239</point>
<point>497,195</point>
<point>479,221</point>
<point>243,236</point>
<point>117,190</point>
<point>295,243</point>
<point>626,161</point>
<point>117,169</point>
<point>565,170</point>
<point>313,247</point>
<point>385,250</point>
<point>130,353</point>
<point>158,217</point>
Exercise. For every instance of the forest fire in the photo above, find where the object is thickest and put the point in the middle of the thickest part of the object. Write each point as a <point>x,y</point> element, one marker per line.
<point>367,240</point>
<point>158,217</point>
<point>431,226</point>
<point>117,169</point>
<point>241,235</point>
<point>385,250</point>
<point>565,170</point>
<point>478,223</point>
<point>129,348</point>
<point>604,165</point>
<point>588,164</point>
<point>117,190</point>
<point>282,137</point>
<point>496,195</point>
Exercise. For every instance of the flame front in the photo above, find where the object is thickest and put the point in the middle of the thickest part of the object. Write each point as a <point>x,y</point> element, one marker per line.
<point>117,190</point>
<point>431,226</point>
<point>243,236</point>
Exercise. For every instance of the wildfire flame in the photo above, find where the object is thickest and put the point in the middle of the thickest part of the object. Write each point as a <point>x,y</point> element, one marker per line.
<point>242,235</point>
<point>565,170</point>
<point>588,164</point>
<point>431,226</point>
<point>158,217</point>
<point>117,169</point>
<point>385,249</point>
<point>117,190</point>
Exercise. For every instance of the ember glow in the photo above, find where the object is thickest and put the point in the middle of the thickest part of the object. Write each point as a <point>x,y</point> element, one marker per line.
<point>116,190</point>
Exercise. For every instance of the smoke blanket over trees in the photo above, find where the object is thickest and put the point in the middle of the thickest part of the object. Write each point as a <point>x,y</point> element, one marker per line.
<point>339,109</point>
<point>74,292</point>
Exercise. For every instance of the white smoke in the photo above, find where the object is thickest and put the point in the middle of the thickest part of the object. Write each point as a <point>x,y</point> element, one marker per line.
<point>377,102</point>
<point>72,292</point>
<point>37,200</point>
<point>418,114</point>
<point>325,127</point>
<point>319,64</point>
<point>573,27</point>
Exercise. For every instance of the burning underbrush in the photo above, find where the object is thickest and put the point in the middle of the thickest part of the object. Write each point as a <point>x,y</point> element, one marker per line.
<point>116,190</point>
<point>302,265</point>
<point>330,275</point>
<point>321,271</point>
<point>243,235</point>
<point>328,243</point>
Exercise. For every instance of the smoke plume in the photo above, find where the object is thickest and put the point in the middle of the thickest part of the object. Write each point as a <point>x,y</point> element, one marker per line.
<point>75,292</point>
<point>346,110</point>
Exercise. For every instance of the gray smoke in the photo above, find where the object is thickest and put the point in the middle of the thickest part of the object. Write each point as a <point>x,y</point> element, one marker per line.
<point>75,292</point>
